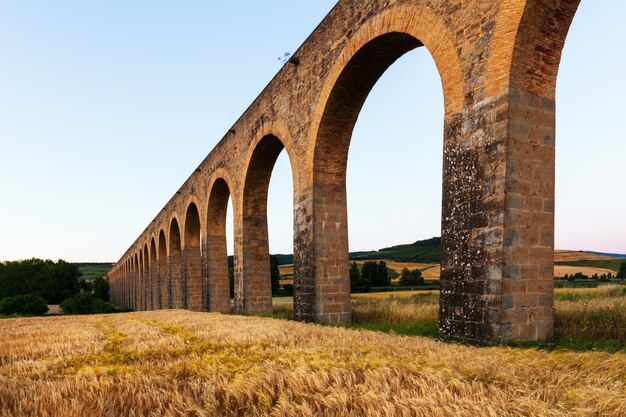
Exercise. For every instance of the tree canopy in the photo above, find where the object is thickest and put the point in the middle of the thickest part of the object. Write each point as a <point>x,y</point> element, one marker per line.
<point>52,281</point>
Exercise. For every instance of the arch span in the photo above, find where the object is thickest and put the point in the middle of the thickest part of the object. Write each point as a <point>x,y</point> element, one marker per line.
<point>146,279</point>
<point>218,287</point>
<point>154,277</point>
<point>498,62</point>
<point>192,262</point>
<point>253,289</point>
<point>175,267</point>
<point>366,57</point>
<point>164,283</point>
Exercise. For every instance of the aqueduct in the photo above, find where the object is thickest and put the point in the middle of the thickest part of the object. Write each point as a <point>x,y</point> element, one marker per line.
<point>498,62</point>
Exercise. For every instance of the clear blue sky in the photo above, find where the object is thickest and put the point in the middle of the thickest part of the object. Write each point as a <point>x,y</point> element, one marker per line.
<point>107,107</point>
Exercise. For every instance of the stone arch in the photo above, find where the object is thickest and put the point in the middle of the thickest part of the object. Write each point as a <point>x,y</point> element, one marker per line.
<point>498,64</point>
<point>121,286</point>
<point>253,291</point>
<point>129,282</point>
<point>154,276</point>
<point>124,283</point>
<point>164,299</point>
<point>527,46</point>
<point>140,286</point>
<point>192,261</point>
<point>374,48</point>
<point>175,266</point>
<point>216,253</point>
<point>522,71</point>
<point>146,278</point>
<point>134,296</point>
<point>401,28</point>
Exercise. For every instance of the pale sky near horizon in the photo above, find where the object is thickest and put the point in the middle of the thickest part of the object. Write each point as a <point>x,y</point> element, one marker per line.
<point>107,107</point>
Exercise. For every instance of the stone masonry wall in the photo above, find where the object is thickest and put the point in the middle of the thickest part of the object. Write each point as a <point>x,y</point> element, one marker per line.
<point>498,62</point>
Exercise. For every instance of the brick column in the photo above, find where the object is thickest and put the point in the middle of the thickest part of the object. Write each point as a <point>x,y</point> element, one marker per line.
<point>218,291</point>
<point>497,226</point>
<point>254,294</point>
<point>177,295</point>
<point>528,276</point>
<point>142,289</point>
<point>303,259</point>
<point>327,257</point>
<point>193,277</point>
<point>135,290</point>
<point>126,291</point>
<point>473,222</point>
<point>156,286</point>
<point>123,290</point>
<point>148,285</point>
<point>164,281</point>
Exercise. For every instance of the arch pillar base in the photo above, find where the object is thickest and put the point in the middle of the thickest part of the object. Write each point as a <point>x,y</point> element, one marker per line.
<point>497,274</point>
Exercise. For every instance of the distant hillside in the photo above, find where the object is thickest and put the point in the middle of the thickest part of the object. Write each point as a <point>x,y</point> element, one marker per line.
<point>422,251</point>
<point>282,260</point>
<point>588,259</point>
<point>612,255</point>
<point>429,251</point>
<point>92,271</point>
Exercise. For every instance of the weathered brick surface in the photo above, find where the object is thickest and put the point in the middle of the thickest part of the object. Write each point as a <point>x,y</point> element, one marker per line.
<point>164,275</point>
<point>498,62</point>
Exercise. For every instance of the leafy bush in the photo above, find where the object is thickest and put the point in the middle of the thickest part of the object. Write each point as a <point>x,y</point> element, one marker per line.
<point>101,288</point>
<point>411,278</point>
<point>288,290</point>
<point>85,303</point>
<point>358,282</point>
<point>24,305</point>
<point>53,281</point>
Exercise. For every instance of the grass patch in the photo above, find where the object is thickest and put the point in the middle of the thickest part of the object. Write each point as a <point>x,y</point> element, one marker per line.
<point>584,319</point>
<point>174,363</point>
<point>612,264</point>
<point>407,329</point>
<point>91,271</point>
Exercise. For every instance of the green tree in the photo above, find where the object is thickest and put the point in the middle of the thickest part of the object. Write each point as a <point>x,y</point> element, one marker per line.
<point>85,303</point>
<point>358,283</point>
<point>382,275</point>
<point>33,305</point>
<point>622,271</point>
<point>101,288</point>
<point>355,274</point>
<point>231,281</point>
<point>275,274</point>
<point>369,273</point>
<point>411,278</point>
<point>26,305</point>
<point>52,281</point>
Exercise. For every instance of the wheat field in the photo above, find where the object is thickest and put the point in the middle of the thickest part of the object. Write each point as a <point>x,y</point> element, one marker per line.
<point>179,363</point>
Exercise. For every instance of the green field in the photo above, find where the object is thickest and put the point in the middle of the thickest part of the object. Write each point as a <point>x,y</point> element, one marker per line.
<point>612,264</point>
<point>92,271</point>
<point>422,251</point>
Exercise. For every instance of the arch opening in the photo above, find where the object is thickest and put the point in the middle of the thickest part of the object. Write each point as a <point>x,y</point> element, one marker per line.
<point>136,284</point>
<point>174,265</point>
<point>253,284</point>
<point>581,80</point>
<point>164,299</point>
<point>215,248</point>
<point>147,278</point>
<point>154,277</point>
<point>192,261</point>
<point>347,98</point>
<point>335,133</point>
<point>281,226</point>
